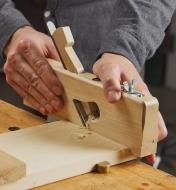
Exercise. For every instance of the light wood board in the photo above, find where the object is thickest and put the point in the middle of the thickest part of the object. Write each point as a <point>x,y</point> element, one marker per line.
<point>11,169</point>
<point>57,151</point>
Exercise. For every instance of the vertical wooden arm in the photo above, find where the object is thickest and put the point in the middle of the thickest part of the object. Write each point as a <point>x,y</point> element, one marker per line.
<point>64,41</point>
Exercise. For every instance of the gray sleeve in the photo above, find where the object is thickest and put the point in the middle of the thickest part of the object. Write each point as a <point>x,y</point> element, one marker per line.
<point>10,20</point>
<point>137,28</point>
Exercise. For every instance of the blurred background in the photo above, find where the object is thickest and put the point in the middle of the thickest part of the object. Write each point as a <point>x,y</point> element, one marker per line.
<point>160,75</point>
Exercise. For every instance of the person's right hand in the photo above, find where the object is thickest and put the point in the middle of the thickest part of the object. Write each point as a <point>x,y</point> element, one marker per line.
<point>28,71</point>
<point>114,69</point>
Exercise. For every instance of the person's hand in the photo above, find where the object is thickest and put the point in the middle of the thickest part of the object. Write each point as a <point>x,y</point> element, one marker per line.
<point>28,71</point>
<point>114,69</point>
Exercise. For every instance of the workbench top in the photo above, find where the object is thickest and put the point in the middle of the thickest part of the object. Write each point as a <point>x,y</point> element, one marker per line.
<point>133,175</point>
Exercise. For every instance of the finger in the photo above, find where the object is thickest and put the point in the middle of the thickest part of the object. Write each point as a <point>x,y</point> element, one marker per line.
<point>151,159</point>
<point>40,65</point>
<point>142,87</point>
<point>132,74</point>
<point>110,77</point>
<point>162,128</point>
<point>10,75</point>
<point>28,98</point>
<point>52,52</point>
<point>35,86</point>
<point>18,79</point>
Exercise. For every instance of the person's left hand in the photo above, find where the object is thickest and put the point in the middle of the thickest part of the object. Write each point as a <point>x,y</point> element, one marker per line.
<point>28,72</point>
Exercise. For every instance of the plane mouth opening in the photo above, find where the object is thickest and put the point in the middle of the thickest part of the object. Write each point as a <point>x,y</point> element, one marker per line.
<point>88,111</point>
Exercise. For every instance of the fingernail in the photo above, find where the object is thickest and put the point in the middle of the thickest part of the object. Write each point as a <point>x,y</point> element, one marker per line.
<point>48,108</point>
<point>113,95</point>
<point>55,104</point>
<point>25,44</point>
<point>57,90</point>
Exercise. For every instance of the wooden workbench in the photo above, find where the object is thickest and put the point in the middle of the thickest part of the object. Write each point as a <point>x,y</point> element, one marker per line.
<point>133,175</point>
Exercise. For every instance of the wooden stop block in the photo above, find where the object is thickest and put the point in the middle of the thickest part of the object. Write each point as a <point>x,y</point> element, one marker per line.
<point>11,169</point>
<point>103,167</point>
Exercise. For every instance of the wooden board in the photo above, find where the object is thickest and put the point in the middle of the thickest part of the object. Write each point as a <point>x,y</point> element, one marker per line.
<point>13,117</point>
<point>11,169</point>
<point>57,151</point>
<point>126,176</point>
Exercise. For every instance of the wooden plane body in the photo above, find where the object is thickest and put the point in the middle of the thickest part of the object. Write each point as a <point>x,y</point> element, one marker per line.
<point>131,121</point>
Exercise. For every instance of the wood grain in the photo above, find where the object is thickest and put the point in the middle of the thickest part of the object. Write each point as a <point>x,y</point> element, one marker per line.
<point>11,169</point>
<point>16,117</point>
<point>139,174</point>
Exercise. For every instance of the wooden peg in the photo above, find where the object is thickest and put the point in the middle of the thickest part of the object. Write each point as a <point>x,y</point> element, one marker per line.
<point>102,167</point>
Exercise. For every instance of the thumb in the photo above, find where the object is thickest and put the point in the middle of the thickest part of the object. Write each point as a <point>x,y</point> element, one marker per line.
<point>110,77</point>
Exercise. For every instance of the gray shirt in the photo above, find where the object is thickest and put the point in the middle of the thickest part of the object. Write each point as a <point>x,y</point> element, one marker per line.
<point>132,28</point>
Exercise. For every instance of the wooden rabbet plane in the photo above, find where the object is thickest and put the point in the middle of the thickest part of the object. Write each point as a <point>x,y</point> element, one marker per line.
<point>89,131</point>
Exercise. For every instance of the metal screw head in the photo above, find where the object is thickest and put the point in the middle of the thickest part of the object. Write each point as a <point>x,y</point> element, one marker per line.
<point>125,86</point>
<point>51,27</point>
<point>131,89</point>
<point>47,14</point>
<point>133,82</point>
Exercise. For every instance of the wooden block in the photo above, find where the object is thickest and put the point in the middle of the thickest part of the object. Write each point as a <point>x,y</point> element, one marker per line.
<point>150,126</point>
<point>103,167</point>
<point>57,151</point>
<point>11,169</point>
